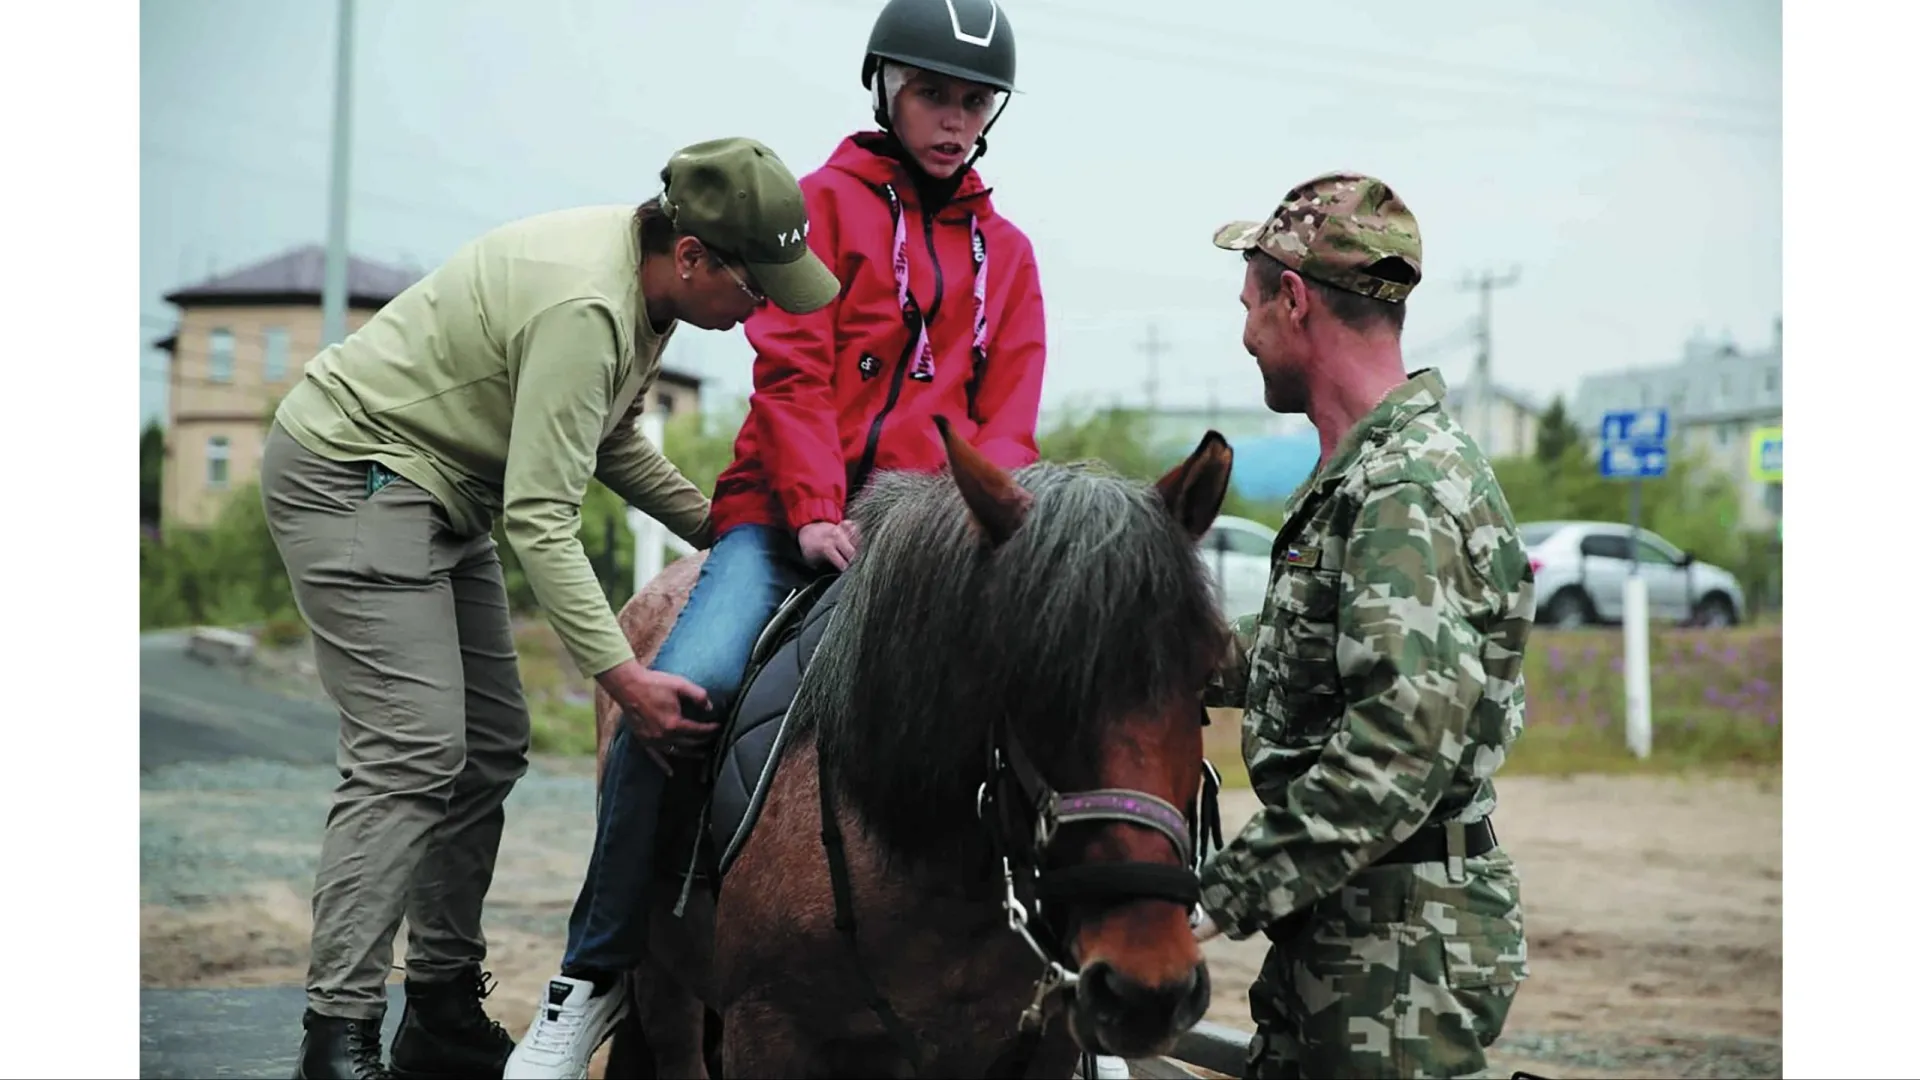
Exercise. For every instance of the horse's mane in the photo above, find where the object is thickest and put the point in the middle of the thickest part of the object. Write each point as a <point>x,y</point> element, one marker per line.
<point>1098,606</point>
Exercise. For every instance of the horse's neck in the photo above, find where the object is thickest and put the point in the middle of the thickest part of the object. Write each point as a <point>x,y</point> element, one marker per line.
<point>940,851</point>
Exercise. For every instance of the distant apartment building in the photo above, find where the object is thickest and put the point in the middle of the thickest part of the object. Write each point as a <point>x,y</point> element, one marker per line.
<point>1505,424</point>
<point>1717,395</point>
<point>1507,427</point>
<point>242,341</point>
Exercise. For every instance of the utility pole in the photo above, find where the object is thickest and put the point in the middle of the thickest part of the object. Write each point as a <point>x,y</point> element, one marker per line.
<point>1483,363</point>
<point>333,298</point>
<point>1154,348</point>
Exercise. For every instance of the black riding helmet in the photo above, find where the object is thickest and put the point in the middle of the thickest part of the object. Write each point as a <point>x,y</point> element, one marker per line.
<point>967,39</point>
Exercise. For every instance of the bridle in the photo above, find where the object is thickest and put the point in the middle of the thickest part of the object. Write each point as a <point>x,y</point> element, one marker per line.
<point>1014,801</point>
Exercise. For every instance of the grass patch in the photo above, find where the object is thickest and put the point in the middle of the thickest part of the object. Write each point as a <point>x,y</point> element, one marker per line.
<point>562,729</point>
<point>1716,702</point>
<point>559,699</point>
<point>1716,706</point>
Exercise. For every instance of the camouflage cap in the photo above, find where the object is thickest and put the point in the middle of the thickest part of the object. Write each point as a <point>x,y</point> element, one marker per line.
<point>1332,228</point>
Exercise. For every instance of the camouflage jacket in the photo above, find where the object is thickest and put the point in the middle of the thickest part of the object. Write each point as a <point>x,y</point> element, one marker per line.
<point>1381,683</point>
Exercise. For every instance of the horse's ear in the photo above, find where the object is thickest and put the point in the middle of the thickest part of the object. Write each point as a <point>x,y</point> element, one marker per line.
<point>1194,489</point>
<point>998,503</point>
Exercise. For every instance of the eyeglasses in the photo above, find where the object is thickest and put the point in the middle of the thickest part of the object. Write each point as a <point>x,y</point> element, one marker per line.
<point>758,296</point>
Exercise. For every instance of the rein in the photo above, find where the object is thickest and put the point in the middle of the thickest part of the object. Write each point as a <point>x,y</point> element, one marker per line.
<point>1015,801</point>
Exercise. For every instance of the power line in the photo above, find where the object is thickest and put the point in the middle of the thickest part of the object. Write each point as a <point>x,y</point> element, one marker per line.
<point>1460,335</point>
<point>1505,79</point>
<point>1347,75</point>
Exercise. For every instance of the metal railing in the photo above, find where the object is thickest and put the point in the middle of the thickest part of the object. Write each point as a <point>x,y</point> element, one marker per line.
<point>1208,1049</point>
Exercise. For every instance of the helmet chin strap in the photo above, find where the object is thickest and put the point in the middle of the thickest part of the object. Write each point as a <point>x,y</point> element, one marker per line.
<point>980,144</point>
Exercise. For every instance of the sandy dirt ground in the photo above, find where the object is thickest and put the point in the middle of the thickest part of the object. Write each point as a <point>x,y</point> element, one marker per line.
<point>1654,911</point>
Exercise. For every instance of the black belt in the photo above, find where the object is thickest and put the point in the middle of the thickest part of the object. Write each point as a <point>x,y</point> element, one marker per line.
<point>1427,845</point>
<point>1430,844</point>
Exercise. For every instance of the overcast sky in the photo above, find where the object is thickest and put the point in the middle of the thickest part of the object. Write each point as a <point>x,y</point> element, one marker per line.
<point>1626,156</point>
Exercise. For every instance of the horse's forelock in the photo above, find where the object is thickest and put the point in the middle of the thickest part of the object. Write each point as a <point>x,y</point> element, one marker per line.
<point>1098,607</point>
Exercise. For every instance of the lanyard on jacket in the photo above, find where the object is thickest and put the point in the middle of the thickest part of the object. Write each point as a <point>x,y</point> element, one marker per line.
<point>921,365</point>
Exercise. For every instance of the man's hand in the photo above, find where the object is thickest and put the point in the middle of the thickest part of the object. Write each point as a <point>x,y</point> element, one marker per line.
<point>1203,928</point>
<point>652,703</point>
<point>828,542</point>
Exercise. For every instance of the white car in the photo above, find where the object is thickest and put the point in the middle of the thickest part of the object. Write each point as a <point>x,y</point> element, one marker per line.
<point>1580,569</point>
<point>1239,553</point>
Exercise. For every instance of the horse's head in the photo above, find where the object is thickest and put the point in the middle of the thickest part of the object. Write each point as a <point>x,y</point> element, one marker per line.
<point>1096,756</point>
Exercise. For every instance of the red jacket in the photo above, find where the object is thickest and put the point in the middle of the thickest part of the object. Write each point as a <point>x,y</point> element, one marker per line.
<point>838,395</point>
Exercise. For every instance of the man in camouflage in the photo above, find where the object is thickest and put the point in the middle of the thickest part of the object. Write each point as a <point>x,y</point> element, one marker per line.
<point>1381,685</point>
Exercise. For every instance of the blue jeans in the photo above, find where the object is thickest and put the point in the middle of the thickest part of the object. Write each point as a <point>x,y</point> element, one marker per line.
<point>748,572</point>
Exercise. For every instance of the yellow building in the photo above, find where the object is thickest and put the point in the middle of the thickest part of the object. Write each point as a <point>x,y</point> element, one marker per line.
<point>242,340</point>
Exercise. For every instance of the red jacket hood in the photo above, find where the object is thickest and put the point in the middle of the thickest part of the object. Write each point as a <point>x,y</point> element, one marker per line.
<point>857,157</point>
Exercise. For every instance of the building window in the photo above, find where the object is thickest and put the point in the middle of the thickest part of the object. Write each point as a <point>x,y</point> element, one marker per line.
<point>666,404</point>
<point>217,461</point>
<point>276,353</point>
<point>220,356</point>
<point>1773,380</point>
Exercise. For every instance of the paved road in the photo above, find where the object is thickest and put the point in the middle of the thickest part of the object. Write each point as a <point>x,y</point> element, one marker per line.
<point>193,710</point>
<point>200,1034</point>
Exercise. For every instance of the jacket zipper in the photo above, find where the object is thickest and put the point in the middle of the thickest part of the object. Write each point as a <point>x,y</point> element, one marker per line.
<point>905,361</point>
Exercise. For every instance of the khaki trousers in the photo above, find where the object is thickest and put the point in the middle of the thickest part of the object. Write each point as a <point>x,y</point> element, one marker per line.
<point>413,643</point>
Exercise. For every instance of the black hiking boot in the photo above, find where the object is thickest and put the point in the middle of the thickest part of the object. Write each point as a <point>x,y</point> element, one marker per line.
<point>335,1048</point>
<point>446,1032</point>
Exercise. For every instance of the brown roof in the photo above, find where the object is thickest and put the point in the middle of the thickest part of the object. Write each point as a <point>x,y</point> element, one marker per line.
<point>300,276</point>
<point>296,276</point>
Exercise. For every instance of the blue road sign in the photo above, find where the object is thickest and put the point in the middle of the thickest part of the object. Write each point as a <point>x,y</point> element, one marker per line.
<point>1634,426</point>
<point>1633,444</point>
<point>1628,460</point>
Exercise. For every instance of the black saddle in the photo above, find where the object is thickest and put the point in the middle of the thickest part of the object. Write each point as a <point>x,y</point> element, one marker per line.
<point>738,773</point>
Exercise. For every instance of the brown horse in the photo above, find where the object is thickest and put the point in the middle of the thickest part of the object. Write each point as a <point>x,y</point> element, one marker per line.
<point>1005,706</point>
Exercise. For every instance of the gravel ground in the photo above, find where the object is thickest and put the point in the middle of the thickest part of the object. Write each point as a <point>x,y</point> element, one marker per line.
<point>1656,938</point>
<point>1654,916</point>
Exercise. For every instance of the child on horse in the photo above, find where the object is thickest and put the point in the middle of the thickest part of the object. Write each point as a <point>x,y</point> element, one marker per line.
<point>939,312</point>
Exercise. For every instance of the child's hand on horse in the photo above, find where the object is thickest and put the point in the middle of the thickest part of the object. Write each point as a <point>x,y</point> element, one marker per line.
<point>829,542</point>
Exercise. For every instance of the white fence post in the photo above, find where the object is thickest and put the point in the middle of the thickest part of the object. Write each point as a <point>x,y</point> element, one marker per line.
<point>650,538</point>
<point>1639,690</point>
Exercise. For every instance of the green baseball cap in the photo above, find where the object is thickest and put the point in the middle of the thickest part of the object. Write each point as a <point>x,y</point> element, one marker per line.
<point>737,197</point>
<point>1332,229</point>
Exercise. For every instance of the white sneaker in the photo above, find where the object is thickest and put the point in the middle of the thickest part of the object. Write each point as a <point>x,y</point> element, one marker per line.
<point>1110,1068</point>
<point>568,1027</point>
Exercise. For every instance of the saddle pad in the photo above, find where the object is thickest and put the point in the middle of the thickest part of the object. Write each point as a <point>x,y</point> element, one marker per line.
<point>758,733</point>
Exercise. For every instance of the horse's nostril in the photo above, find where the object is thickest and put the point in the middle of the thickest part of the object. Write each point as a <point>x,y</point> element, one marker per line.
<point>1101,982</point>
<point>1112,989</point>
